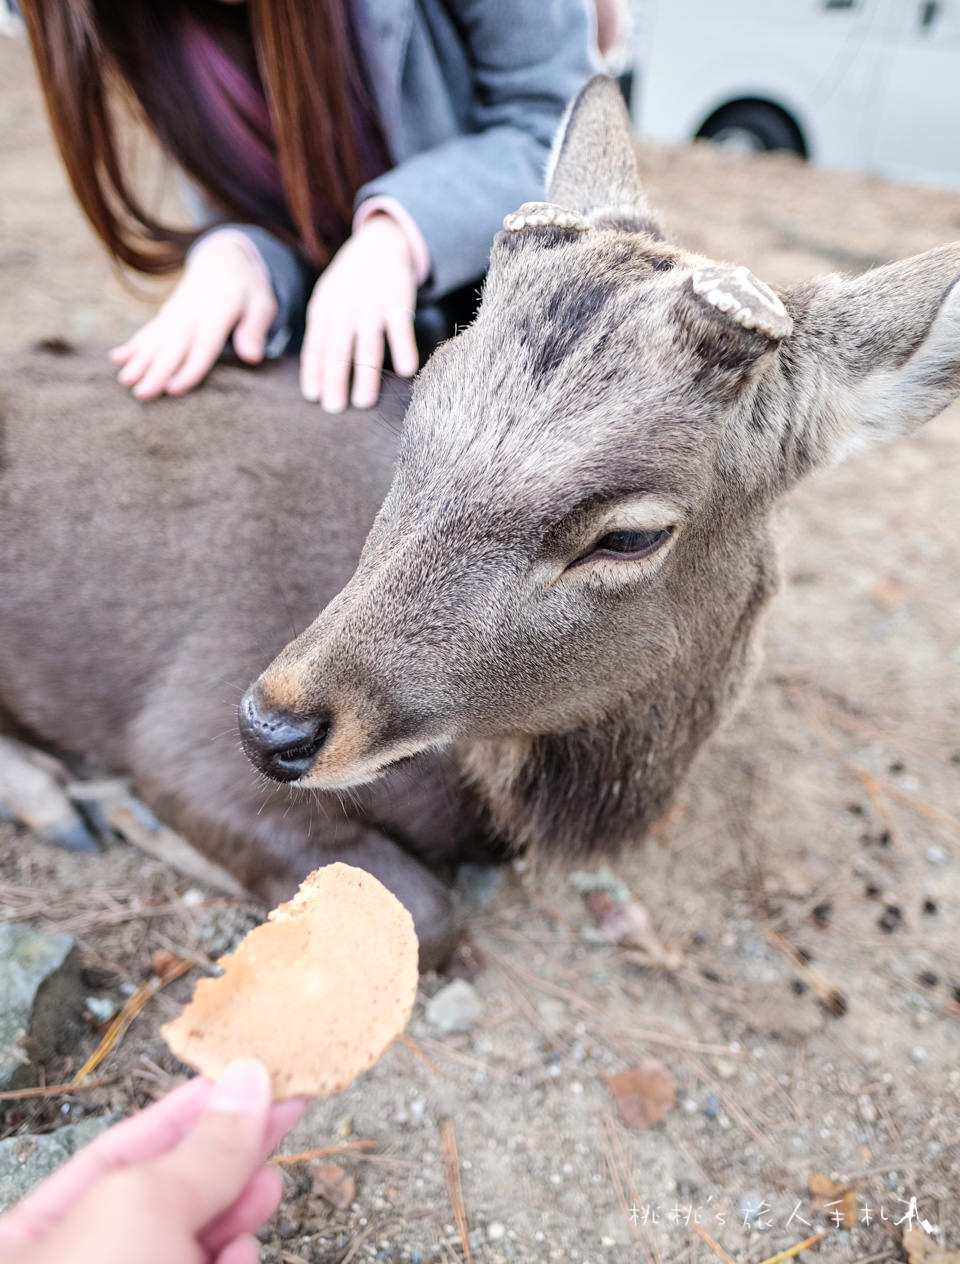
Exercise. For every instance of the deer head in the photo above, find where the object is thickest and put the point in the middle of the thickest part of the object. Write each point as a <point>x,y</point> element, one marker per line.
<point>564,580</point>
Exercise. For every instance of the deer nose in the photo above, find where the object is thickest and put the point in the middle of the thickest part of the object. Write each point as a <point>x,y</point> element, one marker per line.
<point>279,743</point>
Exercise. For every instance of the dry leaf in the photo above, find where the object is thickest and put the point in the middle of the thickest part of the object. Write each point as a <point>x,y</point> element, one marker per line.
<point>627,922</point>
<point>166,963</point>
<point>644,1095</point>
<point>335,1185</point>
<point>890,594</point>
<point>921,1249</point>
<point>834,1199</point>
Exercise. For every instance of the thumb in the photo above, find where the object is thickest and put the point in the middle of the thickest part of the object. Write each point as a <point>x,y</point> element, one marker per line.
<point>250,334</point>
<point>209,1169</point>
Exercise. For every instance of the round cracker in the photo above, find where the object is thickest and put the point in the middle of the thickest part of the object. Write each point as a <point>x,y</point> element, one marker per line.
<point>316,993</point>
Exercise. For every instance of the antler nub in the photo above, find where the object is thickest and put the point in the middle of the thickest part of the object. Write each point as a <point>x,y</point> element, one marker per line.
<point>740,295</point>
<point>544,215</point>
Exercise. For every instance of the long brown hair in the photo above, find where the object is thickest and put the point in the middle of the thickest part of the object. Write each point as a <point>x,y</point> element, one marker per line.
<point>318,122</point>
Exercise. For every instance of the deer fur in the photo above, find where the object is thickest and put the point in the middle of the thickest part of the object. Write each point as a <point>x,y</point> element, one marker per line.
<point>489,678</point>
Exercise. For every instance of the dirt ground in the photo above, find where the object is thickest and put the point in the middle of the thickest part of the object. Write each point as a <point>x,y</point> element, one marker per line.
<point>824,820</point>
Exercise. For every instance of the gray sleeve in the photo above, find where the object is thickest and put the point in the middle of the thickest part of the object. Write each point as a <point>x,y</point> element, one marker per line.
<point>528,60</point>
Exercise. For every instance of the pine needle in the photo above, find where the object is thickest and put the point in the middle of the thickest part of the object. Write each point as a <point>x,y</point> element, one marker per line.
<point>135,1003</point>
<point>305,1155</point>
<point>451,1167</point>
<point>794,1250</point>
<point>53,1090</point>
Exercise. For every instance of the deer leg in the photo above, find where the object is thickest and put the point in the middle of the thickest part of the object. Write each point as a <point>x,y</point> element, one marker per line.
<point>32,793</point>
<point>270,839</point>
<point>430,903</point>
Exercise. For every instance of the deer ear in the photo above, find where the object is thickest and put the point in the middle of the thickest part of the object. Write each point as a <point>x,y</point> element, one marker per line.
<point>871,358</point>
<point>739,296</point>
<point>593,164</point>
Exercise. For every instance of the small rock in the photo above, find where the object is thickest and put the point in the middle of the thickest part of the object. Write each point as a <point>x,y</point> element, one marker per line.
<point>479,885</point>
<point>26,1160</point>
<point>936,855</point>
<point>751,1206</point>
<point>725,1068</point>
<point>495,1231</point>
<point>40,999</point>
<point>456,1007</point>
<point>890,919</point>
<point>101,1007</point>
<point>602,879</point>
<point>868,1111</point>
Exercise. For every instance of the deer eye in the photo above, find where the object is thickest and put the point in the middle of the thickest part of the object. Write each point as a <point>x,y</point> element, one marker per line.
<point>627,546</point>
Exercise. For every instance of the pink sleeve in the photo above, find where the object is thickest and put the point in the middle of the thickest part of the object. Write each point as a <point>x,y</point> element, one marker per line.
<point>407,225</point>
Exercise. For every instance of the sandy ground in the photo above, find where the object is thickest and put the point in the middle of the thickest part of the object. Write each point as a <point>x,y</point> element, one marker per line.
<point>832,799</point>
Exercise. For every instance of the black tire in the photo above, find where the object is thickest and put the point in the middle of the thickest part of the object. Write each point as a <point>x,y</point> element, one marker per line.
<point>754,127</point>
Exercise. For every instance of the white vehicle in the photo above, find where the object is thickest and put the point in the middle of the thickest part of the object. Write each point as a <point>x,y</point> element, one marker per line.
<point>864,85</point>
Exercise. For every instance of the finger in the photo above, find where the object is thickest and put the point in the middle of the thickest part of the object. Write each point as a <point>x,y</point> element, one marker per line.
<point>139,360</point>
<point>250,335</point>
<point>367,363</point>
<point>258,1202</point>
<point>245,1250</point>
<point>169,355</point>
<point>283,1116</point>
<point>199,360</point>
<point>311,358</point>
<point>336,370</point>
<point>211,1167</point>
<point>403,343</point>
<point>151,1132</point>
<point>121,354</point>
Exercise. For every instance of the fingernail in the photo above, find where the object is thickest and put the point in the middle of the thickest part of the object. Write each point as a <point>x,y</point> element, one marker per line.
<point>244,1088</point>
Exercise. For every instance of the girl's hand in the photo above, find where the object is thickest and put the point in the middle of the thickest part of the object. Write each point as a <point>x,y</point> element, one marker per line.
<point>368,291</point>
<point>183,1182</point>
<point>224,290</point>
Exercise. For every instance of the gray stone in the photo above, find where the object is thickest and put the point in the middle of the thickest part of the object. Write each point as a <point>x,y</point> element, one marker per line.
<point>39,999</point>
<point>456,1007</point>
<point>480,885</point>
<point>26,1160</point>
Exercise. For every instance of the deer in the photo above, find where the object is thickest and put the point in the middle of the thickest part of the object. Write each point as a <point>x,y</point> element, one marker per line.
<point>540,578</point>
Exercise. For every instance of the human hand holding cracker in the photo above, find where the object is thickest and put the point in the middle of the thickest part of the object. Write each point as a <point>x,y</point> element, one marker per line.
<point>183,1182</point>
<point>308,1001</point>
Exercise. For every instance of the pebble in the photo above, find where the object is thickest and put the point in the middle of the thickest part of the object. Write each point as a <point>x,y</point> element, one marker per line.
<point>495,1231</point>
<point>101,1007</point>
<point>725,1069</point>
<point>936,855</point>
<point>918,1054</point>
<point>456,1007</point>
<point>40,999</point>
<point>751,1206</point>
<point>868,1111</point>
<point>479,885</point>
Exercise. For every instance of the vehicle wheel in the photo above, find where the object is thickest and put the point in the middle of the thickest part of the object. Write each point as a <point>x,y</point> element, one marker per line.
<point>753,127</point>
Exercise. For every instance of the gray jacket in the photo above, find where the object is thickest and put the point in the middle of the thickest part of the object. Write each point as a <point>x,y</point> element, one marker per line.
<point>470,93</point>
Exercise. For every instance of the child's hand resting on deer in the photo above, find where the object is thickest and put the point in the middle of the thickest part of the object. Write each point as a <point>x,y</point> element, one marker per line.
<point>366,293</point>
<point>183,1182</point>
